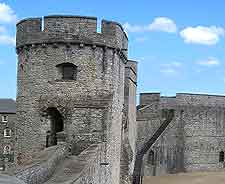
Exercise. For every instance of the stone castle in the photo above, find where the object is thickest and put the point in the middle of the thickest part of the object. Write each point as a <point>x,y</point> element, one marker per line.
<point>76,110</point>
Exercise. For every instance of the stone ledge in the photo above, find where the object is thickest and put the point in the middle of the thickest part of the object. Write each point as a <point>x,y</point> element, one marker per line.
<point>38,174</point>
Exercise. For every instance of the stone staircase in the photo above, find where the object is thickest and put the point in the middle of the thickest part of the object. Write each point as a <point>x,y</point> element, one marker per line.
<point>55,165</point>
<point>70,169</point>
<point>42,165</point>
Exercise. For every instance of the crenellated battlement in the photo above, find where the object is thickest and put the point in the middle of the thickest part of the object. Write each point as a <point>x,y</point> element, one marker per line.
<point>71,29</point>
<point>29,25</point>
<point>149,98</point>
<point>184,99</point>
<point>70,24</point>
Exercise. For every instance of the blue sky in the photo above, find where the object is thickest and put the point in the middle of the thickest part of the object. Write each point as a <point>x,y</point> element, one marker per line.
<point>180,45</point>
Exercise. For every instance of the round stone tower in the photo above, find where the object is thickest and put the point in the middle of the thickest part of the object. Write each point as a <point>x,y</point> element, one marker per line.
<point>70,86</point>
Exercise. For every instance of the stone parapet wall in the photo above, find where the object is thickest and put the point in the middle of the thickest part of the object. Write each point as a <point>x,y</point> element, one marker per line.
<point>183,99</point>
<point>71,30</point>
<point>149,98</point>
<point>168,102</point>
<point>40,173</point>
<point>200,100</point>
<point>95,170</point>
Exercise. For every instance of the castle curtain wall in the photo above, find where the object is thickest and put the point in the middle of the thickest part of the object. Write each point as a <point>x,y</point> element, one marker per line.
<point>192,141</point>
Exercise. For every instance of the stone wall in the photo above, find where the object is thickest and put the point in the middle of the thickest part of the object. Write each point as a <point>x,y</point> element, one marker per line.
<point>148,117</point>
<point>129,134</point>
<point>41,172</point>
<point>131,126</point>
<point>93,172</point>
<point>9,179</point>
<point>192,141</point>
<point>204,123</point>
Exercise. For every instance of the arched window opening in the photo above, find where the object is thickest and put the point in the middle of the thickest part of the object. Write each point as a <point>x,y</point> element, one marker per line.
<point>56,125</point>
<point>221,156</point>
<point>151,157</point>
<point>7,149</point>
<point>67,71</point>
<point>7,132</point>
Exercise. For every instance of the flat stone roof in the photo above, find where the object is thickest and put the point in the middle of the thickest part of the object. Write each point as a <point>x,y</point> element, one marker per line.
<point>7,105</point>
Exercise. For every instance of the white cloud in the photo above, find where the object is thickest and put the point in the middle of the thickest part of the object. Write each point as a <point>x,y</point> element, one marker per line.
<point>162,24</point>
<point>141,39</point>
<point>171,68</point>
<point>174,64</point>
<point>7,15</point>
<point>2,29</point>
<point>209,62</point>
<point>7,40</point>
<point>133,28</point>
<point>168,71</point>
<point>202,35</point>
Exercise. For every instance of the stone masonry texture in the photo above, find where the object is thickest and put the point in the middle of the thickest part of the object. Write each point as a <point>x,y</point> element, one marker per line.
<point>192,141</point>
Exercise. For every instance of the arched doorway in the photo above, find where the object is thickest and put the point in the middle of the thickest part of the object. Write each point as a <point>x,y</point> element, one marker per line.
<point>56,125</point>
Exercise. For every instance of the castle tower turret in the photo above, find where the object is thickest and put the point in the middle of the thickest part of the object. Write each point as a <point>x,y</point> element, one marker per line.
<point>70,86</point>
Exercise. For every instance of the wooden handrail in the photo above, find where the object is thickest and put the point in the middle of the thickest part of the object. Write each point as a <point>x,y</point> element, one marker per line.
<point>169,115</point>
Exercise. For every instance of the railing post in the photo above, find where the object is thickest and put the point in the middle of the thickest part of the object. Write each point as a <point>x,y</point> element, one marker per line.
<point>169,114</point>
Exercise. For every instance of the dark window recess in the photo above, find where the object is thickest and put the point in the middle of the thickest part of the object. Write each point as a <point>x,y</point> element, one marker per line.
<point>221,157</point>
<point>7,133</point>
<point>151,157</point>
<point>68,71</point>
